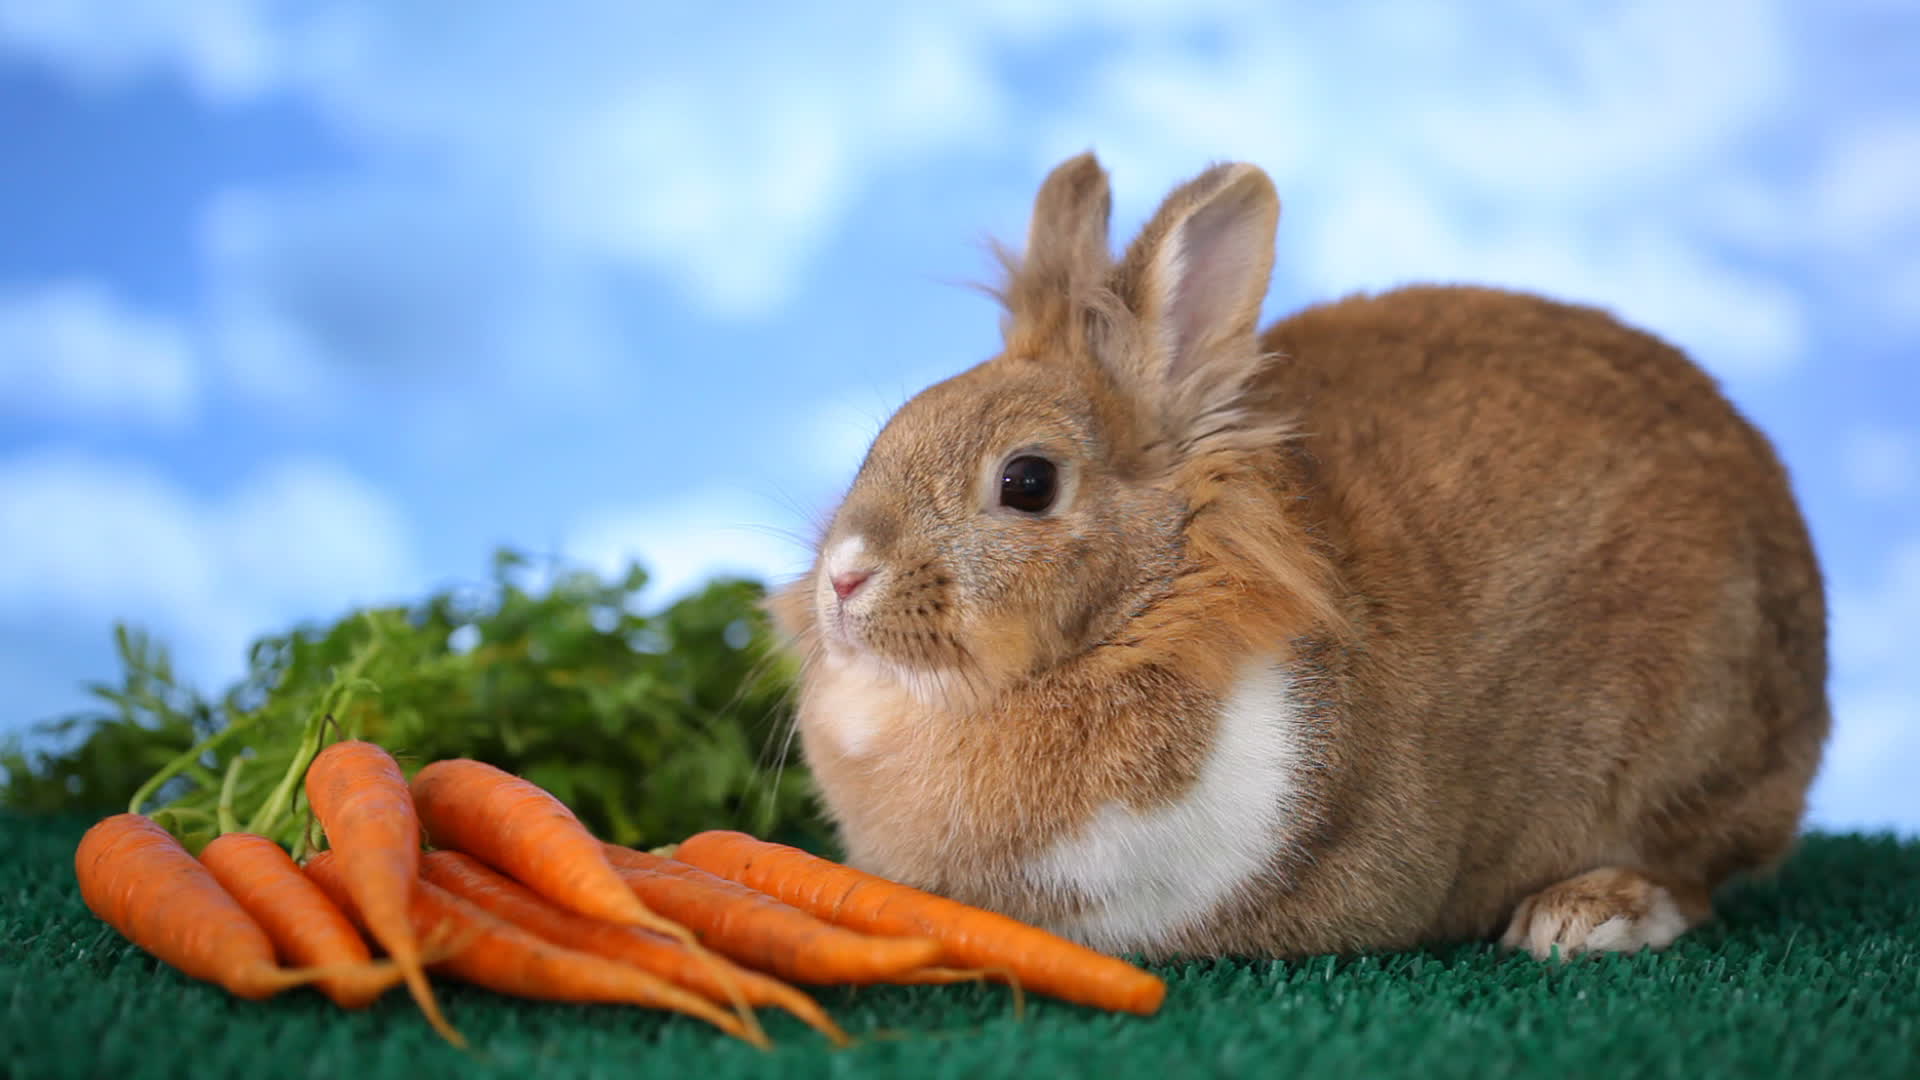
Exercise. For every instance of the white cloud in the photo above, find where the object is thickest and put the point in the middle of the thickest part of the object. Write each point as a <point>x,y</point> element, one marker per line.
<point>1376,231</point>
<point>1899,293</point>
<point>222,46</point>
<point>1868,185</point>
<point>263,351</point>
<point>622,140</point>
<point>1873,628</point>
<point>506,190</point>
<point>1598,107</point>
<point>90,540</point>
<point>101,538</point>
<point>1882,462</point>
<point>637,180</point>
<point>1157,115</point>
<point>835,431</point>
<point>836,436</point>
<point>1864,217</point>
<point>686,540</point>
<point>71,350</point>
<point>1025,22</point>
<point>1623,96</point>
<point>303,533</point>
<point>384,283</point>
<point>1867,781</point>
<point>613,131</point>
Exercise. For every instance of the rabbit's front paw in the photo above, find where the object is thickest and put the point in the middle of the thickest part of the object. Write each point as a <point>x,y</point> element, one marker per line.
<point>1606,910</point>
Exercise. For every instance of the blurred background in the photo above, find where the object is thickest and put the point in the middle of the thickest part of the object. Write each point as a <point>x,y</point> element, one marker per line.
<point>307,306</point>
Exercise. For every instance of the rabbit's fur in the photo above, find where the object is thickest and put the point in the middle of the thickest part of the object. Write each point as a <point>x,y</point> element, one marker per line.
<point>1420,616</point>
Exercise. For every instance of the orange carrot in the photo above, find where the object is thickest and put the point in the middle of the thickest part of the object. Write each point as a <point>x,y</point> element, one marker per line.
<point>135,877</point>
<point>523,831</point>
<point>474,881</point>
<point>360,797</point>
<point>941,976</point>
<point>507,959</point>
<point>971,937</point>
<point>306,927</point>
<point>764,933</point>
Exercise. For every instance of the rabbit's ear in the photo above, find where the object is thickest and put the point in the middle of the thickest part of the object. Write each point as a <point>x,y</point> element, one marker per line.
<point>1194,280</point>
<point>1067,239</point>
<point>1066,255</point>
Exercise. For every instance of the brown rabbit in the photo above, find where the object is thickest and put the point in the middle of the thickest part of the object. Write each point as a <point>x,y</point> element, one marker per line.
<point>1421,616</point>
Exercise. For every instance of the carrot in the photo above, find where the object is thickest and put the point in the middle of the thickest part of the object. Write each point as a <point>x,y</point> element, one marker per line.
<point>507,959</point>
<point>763,933</point>
<point>305,926</point>
<point>971,937</point>
<point>138,879</point>
<point>474,881</point>
<point>941,976</point>
<point>523,831</point>
<point>361,799</point>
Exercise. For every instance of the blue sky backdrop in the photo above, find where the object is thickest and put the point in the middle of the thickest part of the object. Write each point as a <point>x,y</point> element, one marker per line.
<point>305,306</point>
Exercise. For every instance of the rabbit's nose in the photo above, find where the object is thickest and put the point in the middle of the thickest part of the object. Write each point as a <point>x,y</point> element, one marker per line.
<point>844,583</point>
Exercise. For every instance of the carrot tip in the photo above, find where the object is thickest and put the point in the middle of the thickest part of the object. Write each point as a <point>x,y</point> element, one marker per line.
<point>302,975</point>
<point>834,1032</point>
<point>808,1012</point>
<point>422,993</point>
<point>423,996</point>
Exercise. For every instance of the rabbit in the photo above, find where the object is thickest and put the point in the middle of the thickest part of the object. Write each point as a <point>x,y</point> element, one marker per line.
<point>1442,614</point>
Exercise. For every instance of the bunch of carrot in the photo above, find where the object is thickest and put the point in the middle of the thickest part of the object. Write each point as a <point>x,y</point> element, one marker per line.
<point>471,873</point>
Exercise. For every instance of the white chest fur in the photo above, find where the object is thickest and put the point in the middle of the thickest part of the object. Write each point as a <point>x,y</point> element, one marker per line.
<point>1150,875</point>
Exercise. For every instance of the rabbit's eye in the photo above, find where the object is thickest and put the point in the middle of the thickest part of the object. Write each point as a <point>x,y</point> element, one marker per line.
<point>1028,484</point>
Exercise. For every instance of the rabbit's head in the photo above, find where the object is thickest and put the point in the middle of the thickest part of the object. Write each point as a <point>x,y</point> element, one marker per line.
<point>1016,515</point>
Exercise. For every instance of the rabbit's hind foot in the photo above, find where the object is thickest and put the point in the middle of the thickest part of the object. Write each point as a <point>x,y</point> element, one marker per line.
<point>1612,909</point>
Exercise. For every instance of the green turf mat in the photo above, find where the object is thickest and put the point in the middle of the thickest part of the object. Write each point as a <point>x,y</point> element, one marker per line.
<point>1817,974</point>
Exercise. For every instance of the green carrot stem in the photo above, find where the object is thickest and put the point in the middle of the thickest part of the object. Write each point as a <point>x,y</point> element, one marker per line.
<point>269,813</point>
<point>173,768</point>
<point>164,815</point>
<point>224,816</point>
<point>342,691</point>
<point>203,775</point>
<point>303,836</point>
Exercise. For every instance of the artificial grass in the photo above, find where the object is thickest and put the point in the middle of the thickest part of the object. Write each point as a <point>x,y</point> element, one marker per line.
<point>1814,974</point>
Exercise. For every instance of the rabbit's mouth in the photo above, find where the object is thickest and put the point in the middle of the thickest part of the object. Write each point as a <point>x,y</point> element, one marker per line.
<point>929,687</point>
<point>898,615</point>
<point>933,667</point>
<point>846,629</point>
<point>883,650</point>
